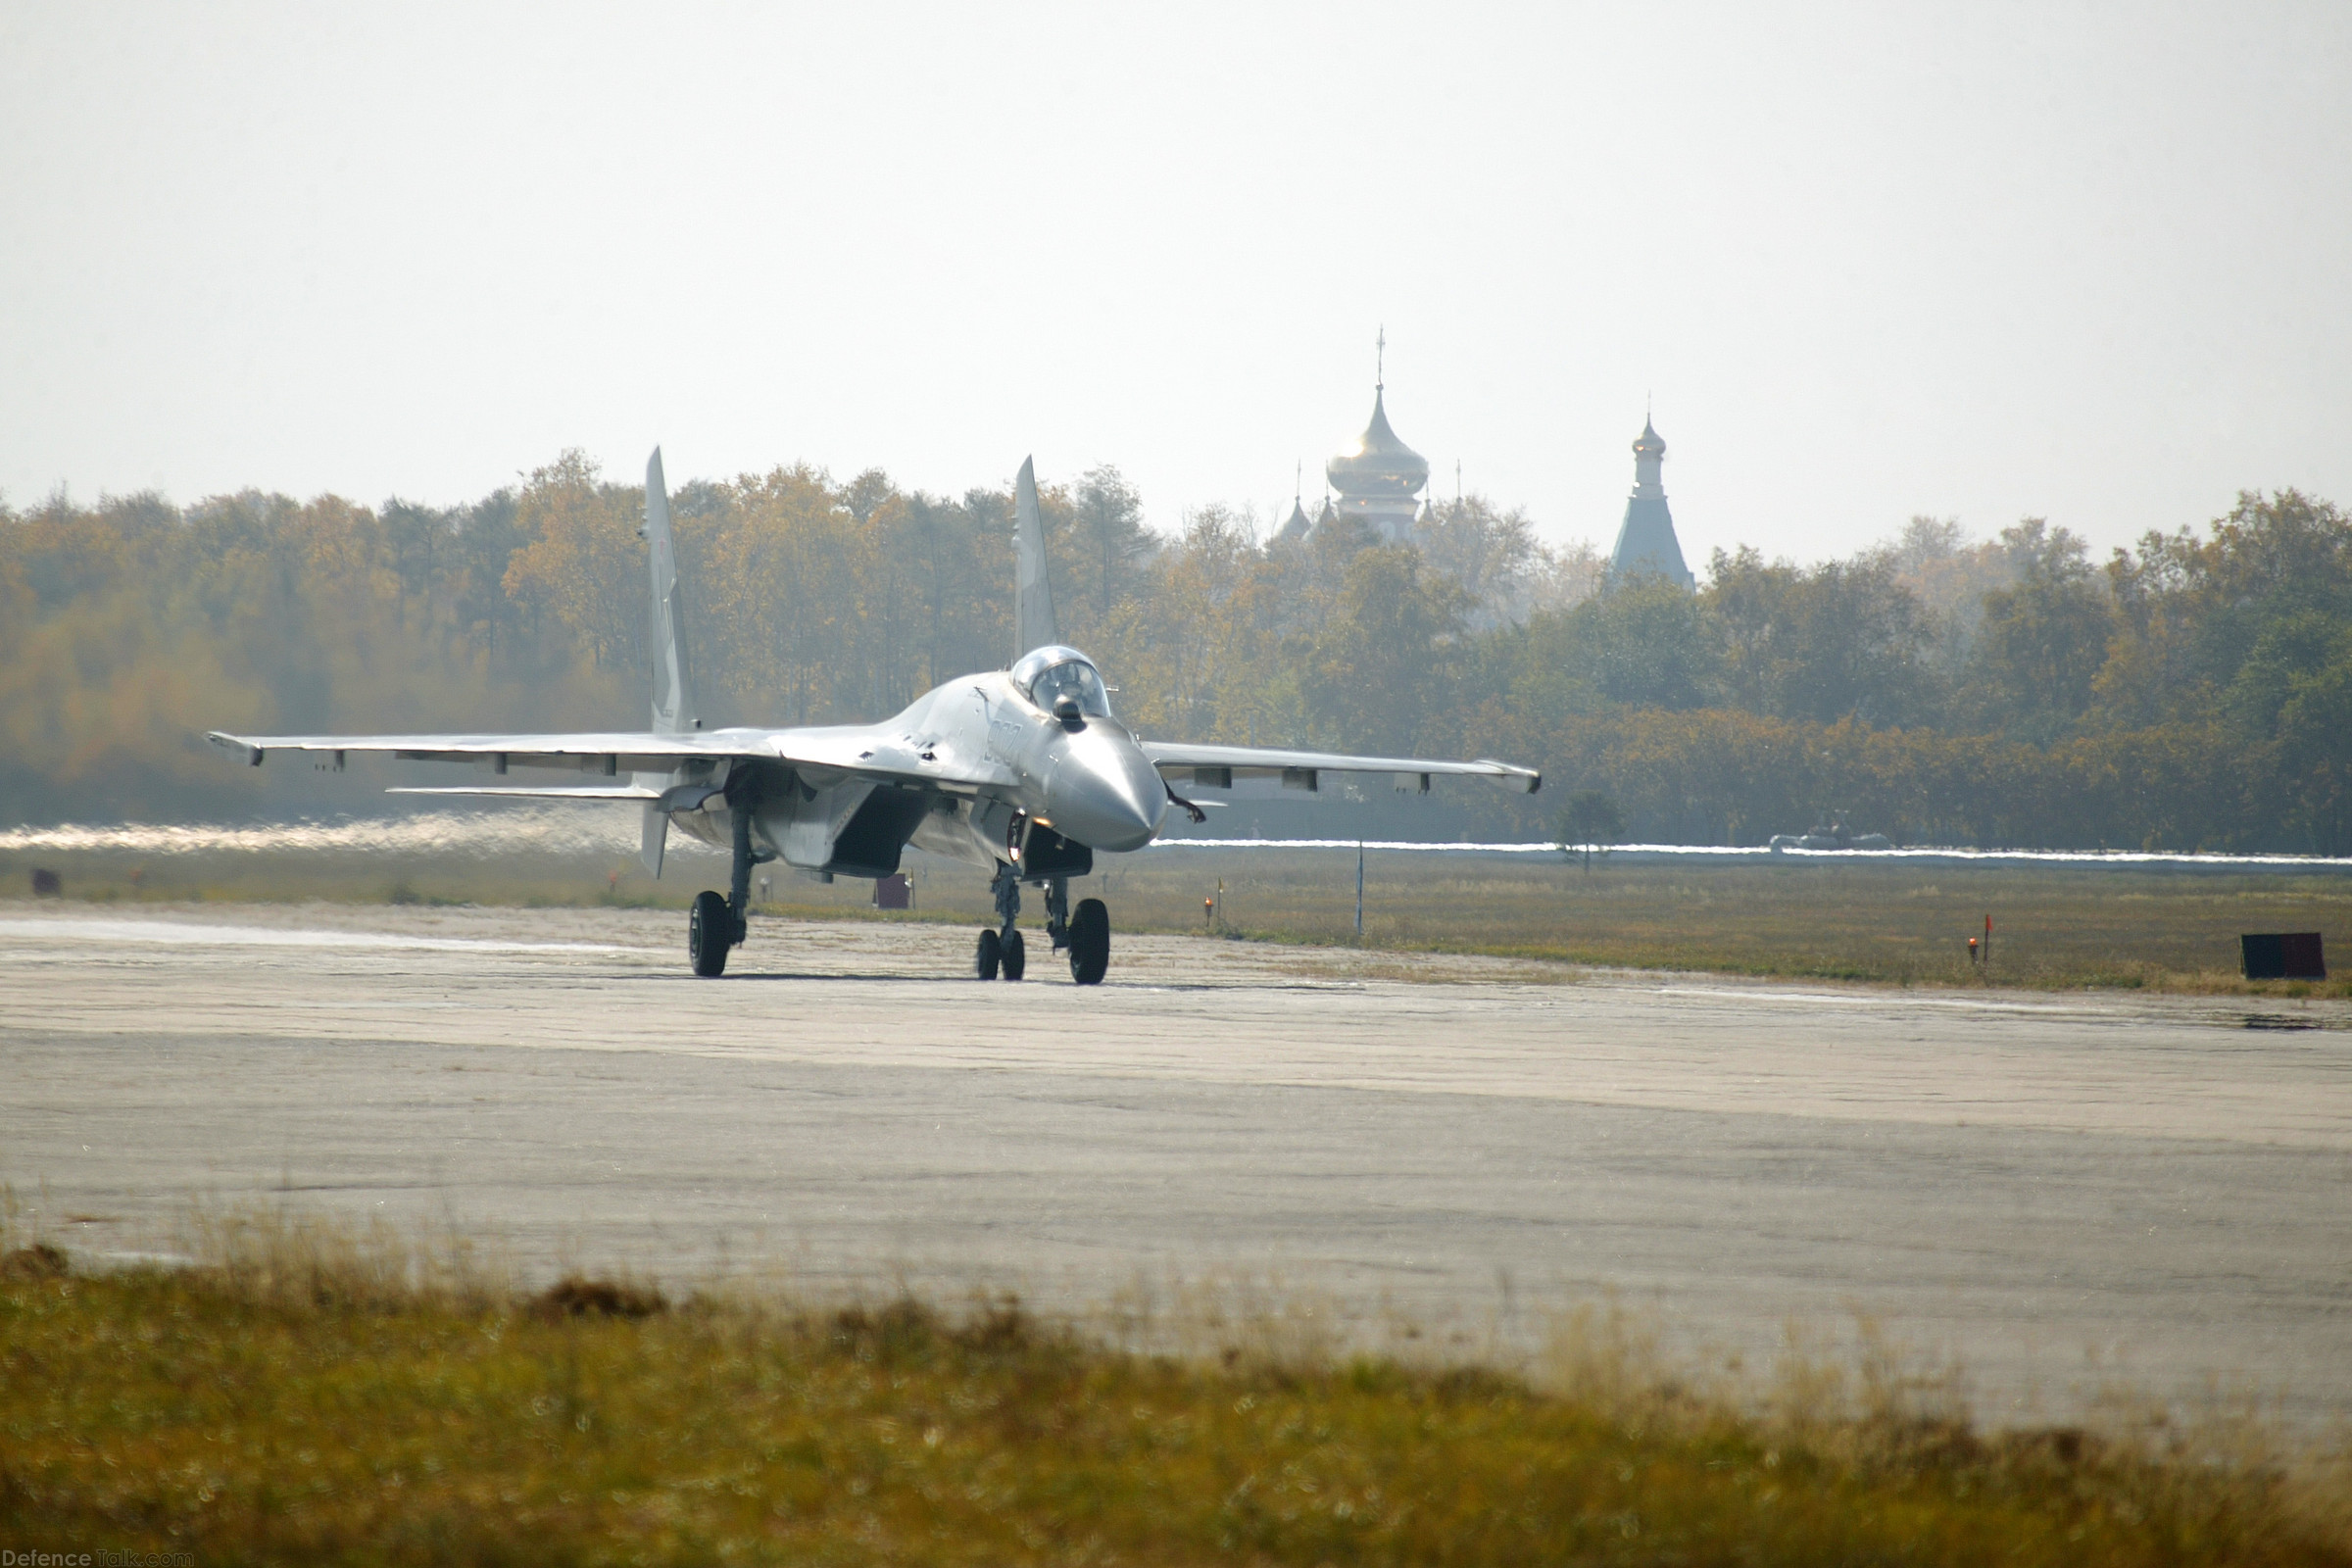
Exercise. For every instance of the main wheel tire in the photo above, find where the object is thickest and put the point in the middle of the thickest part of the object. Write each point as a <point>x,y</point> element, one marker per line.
<point>1016,955</point>
<point>710,934</point>
<point>1090,943</point>
<point>990,953</point>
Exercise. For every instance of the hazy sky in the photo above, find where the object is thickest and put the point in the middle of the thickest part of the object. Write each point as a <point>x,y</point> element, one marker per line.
<point>2090,263</point>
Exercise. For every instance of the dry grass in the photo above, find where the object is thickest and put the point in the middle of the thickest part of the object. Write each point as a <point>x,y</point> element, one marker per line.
<point>1872,922</point>
<point>306,1395</point>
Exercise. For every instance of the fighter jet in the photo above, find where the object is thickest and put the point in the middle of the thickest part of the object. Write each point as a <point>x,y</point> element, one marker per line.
<point>1023,772</point>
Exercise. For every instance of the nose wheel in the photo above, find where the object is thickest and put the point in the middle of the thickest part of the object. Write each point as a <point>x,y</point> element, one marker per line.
<point>1003,954</point>
<point>1000,951</point>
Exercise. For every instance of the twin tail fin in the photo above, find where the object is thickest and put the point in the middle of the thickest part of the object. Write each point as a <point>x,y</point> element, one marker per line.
<point>1032,594</point>
<point>674,710</point>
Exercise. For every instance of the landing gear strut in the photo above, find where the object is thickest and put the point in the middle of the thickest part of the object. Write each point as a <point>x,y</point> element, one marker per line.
<point>739,879</point>
<point>1057,911</point>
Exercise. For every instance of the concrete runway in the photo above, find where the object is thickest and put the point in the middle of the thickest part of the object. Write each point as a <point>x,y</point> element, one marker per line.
<point>2052,1190</point>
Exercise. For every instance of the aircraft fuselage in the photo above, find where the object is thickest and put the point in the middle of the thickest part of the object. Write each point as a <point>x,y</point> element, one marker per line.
<point>1059,788</point>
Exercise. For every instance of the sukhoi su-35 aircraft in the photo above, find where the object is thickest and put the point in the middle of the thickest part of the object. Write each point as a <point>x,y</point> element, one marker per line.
<point>1023,772</point>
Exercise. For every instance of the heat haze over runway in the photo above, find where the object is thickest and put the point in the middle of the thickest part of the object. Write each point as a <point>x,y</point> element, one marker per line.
<point>2023,1181</point>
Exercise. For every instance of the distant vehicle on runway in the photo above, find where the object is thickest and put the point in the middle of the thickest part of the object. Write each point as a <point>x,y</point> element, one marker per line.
<point>1022,772</point>
<point>1833,836</point>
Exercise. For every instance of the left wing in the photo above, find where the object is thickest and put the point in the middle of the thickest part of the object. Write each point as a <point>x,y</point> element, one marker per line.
<point>872,751</point>
<point>609,753</point>
<point>1225,763</point>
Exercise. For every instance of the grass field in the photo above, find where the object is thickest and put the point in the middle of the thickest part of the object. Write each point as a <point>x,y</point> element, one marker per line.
<point>316,1396</point>
<point>1874,922</point>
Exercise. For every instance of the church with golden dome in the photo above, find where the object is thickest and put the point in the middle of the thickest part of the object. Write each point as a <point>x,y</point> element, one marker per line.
<point>1379,480</point>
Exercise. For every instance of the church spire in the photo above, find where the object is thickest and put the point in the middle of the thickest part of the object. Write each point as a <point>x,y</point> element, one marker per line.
<point>1295,526</point>
<point>1646,545</point>
<point>1649,459</point>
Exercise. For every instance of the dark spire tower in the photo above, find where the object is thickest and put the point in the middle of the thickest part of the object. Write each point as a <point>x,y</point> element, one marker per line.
<point>1645,544</point>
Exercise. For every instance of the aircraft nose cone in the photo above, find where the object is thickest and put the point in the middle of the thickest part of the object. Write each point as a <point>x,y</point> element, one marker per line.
<point>1106,793</point>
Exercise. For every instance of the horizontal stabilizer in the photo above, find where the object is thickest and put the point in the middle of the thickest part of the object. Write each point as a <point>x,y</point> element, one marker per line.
<point>524,792</point>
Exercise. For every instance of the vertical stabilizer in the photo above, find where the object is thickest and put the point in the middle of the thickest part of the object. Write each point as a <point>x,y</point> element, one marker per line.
<point>1032,595</point>
<point>673,676</point>
<point>665,638</point>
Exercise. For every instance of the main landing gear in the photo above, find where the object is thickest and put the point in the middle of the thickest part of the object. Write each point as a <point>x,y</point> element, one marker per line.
<point>1089,942</point>
<point>712,931</point>
<point>716,926</point>
<point>1086,935</point>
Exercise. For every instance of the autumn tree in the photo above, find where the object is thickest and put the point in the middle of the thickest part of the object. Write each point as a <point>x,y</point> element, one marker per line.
<point>1492,553</point>
<point>2043,640</point>
<point>584,562</point>
<point>1839,639</point>
<point>1109,541</point>
<point>1590,820</point>
<point>1380,675</point>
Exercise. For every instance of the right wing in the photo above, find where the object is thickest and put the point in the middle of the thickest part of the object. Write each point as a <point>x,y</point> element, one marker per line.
<point>1224,762</point>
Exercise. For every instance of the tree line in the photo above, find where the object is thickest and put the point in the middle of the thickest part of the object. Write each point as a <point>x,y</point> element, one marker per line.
<point>2192,692</point>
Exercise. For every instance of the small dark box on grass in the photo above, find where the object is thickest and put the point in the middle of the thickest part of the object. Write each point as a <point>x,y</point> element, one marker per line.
<point>48,885</point>
<point>2292,955</point>
<point>892,892</point>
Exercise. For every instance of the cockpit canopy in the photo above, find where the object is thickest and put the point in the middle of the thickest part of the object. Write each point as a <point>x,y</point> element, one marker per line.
<point>1049,674</point>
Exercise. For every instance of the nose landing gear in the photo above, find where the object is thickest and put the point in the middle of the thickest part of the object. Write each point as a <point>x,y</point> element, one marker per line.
<point>1002,951</point>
